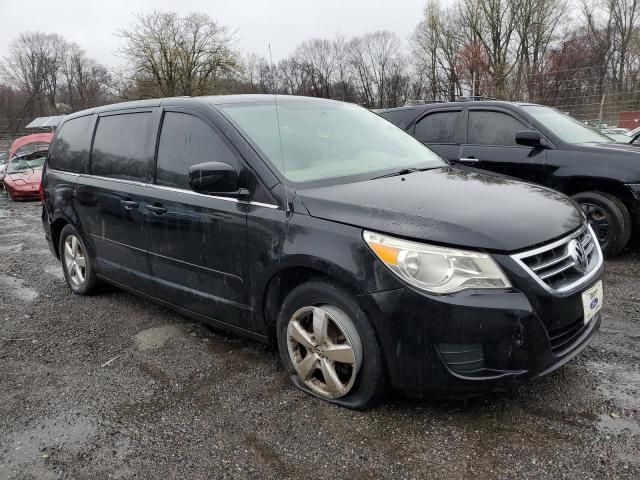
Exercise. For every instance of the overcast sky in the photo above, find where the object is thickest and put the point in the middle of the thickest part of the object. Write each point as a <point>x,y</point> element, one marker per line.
<point>284,23</point>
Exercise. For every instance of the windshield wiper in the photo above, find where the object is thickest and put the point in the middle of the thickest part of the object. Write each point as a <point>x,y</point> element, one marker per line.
<point>404,171</point>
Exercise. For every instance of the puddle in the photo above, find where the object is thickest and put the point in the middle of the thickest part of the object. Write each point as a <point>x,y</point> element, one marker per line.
<point>29,448</point>
<point>241,357</point>
<point>608,424</point>
<point>156,373</point>
<point>619,384</point>
<point>17,288</point>
<point>154,338</point>
<point>17,248</point>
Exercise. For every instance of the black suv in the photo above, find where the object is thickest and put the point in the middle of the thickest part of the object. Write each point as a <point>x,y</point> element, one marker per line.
<point>538,144</point>
<point>368,259</point>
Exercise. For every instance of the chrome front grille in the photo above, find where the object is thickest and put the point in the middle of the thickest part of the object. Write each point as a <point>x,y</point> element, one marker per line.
<point>565,264</point>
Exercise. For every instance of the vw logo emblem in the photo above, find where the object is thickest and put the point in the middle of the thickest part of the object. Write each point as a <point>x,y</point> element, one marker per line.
<point>578,255</point>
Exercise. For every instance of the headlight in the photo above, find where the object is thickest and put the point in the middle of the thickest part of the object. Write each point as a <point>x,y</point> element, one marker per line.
<point>436,269</point>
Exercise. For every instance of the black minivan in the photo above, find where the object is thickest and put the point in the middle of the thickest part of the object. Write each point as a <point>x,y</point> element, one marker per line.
<point>317,224</point>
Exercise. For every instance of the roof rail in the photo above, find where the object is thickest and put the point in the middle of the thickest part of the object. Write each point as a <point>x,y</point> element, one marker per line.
<point>478,98</point>
<point>458,98</point>
<point>423,102</point>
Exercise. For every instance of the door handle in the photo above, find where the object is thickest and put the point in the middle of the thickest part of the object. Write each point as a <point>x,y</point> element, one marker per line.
<point>157,209</point>
<point>469,160</point>
<point>129,204</point>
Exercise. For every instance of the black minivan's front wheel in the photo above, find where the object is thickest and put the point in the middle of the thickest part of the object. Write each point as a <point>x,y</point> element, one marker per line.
<point>609,219</point>
<point>76,264</point>
<point>328,346</point>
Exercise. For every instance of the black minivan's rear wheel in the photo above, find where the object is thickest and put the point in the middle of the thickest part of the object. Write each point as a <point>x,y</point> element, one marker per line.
<point>76,263</point>
<point>609,218</point>
<point>329,347</point>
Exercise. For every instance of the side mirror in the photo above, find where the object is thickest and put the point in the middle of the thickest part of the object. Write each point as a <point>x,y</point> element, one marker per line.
<point>529,138</point>
<point>215,178</point>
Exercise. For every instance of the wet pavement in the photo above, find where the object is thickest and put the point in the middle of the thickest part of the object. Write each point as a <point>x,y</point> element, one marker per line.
<point>112,386</point>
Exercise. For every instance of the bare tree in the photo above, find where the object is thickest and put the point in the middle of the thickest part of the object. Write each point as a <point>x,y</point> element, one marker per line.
<point>625,15</point>
<point>436,43</point>
<point>86,83</point>
<point>493,23</point>
<point>32,66</point>
<point>537,26</point>
<point>172,55</point>
<point>343,76</point>
<point>316,57</point>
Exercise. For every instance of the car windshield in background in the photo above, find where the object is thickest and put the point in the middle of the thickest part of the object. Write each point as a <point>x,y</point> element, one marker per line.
<point>18,165</point>
<point>618,137</point>
<point>567,128</point>
<point>31,148</point>
<point>322,140</point>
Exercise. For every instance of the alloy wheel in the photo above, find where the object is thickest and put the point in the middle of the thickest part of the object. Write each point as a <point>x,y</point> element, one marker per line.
<point>75,261</point>
<point>598,219</point>
<point>325,350</point>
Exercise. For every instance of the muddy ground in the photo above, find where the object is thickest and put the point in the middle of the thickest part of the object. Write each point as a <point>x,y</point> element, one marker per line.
<point>112,386</point>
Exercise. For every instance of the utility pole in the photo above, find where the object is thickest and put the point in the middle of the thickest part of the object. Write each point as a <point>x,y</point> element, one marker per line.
<point>600,114</point>
<point>473,84</point>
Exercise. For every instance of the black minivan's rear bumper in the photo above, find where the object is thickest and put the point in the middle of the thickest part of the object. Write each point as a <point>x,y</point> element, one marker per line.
<point>474,342</point>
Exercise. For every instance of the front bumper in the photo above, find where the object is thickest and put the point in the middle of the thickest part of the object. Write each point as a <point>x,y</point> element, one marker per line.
<point>477,341</point>
<point>25,192</point>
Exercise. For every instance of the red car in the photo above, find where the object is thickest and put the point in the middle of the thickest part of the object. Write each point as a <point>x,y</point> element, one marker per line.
<point>30,143</point>
<point>24,174</point>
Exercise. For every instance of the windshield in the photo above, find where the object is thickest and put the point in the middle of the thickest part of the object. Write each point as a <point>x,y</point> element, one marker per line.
<point>20,164</point>
<point>323,140</point>
<point>618,137</point>
<point>567,128</point>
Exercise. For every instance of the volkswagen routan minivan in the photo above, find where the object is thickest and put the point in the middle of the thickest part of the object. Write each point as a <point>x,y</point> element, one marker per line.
<point>370,262</point>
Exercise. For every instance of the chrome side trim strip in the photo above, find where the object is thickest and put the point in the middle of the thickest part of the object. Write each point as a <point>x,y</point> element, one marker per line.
<point>62,172</point>
<point>178,190</point>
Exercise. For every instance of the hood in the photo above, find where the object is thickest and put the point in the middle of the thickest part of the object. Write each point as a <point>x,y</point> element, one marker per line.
<point>451,206</point>
<point>34,138</point>
<point>617,161</point>
<point>611,147</point>
<point>26,177</point>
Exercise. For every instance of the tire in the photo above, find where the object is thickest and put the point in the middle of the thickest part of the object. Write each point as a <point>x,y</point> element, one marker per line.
<point>73,253</point>
<point>603,209</point>
<point>361,379</point>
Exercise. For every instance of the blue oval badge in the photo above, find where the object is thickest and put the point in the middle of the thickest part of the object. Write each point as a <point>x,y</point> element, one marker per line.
<point>594,303</point>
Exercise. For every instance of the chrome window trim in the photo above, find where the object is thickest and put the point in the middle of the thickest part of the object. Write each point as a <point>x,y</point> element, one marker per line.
<point>177,190</point>
<point>111,179</point>
<point>226,199</point>
<point>63,172</point>
<point>570,288</point>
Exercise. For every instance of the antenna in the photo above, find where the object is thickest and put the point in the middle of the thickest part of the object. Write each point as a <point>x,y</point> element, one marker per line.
<point>275,99</point>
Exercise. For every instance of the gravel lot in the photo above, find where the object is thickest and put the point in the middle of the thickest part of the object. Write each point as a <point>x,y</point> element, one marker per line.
<point>112,386</point>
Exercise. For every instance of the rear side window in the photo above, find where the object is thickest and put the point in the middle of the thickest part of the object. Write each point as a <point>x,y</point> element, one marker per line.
<point>120,147</point>
<point>70,150</point>
<point>400,118</point>
<point>186,140</point>
<point>438,127</point>
<point>493,128</point>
